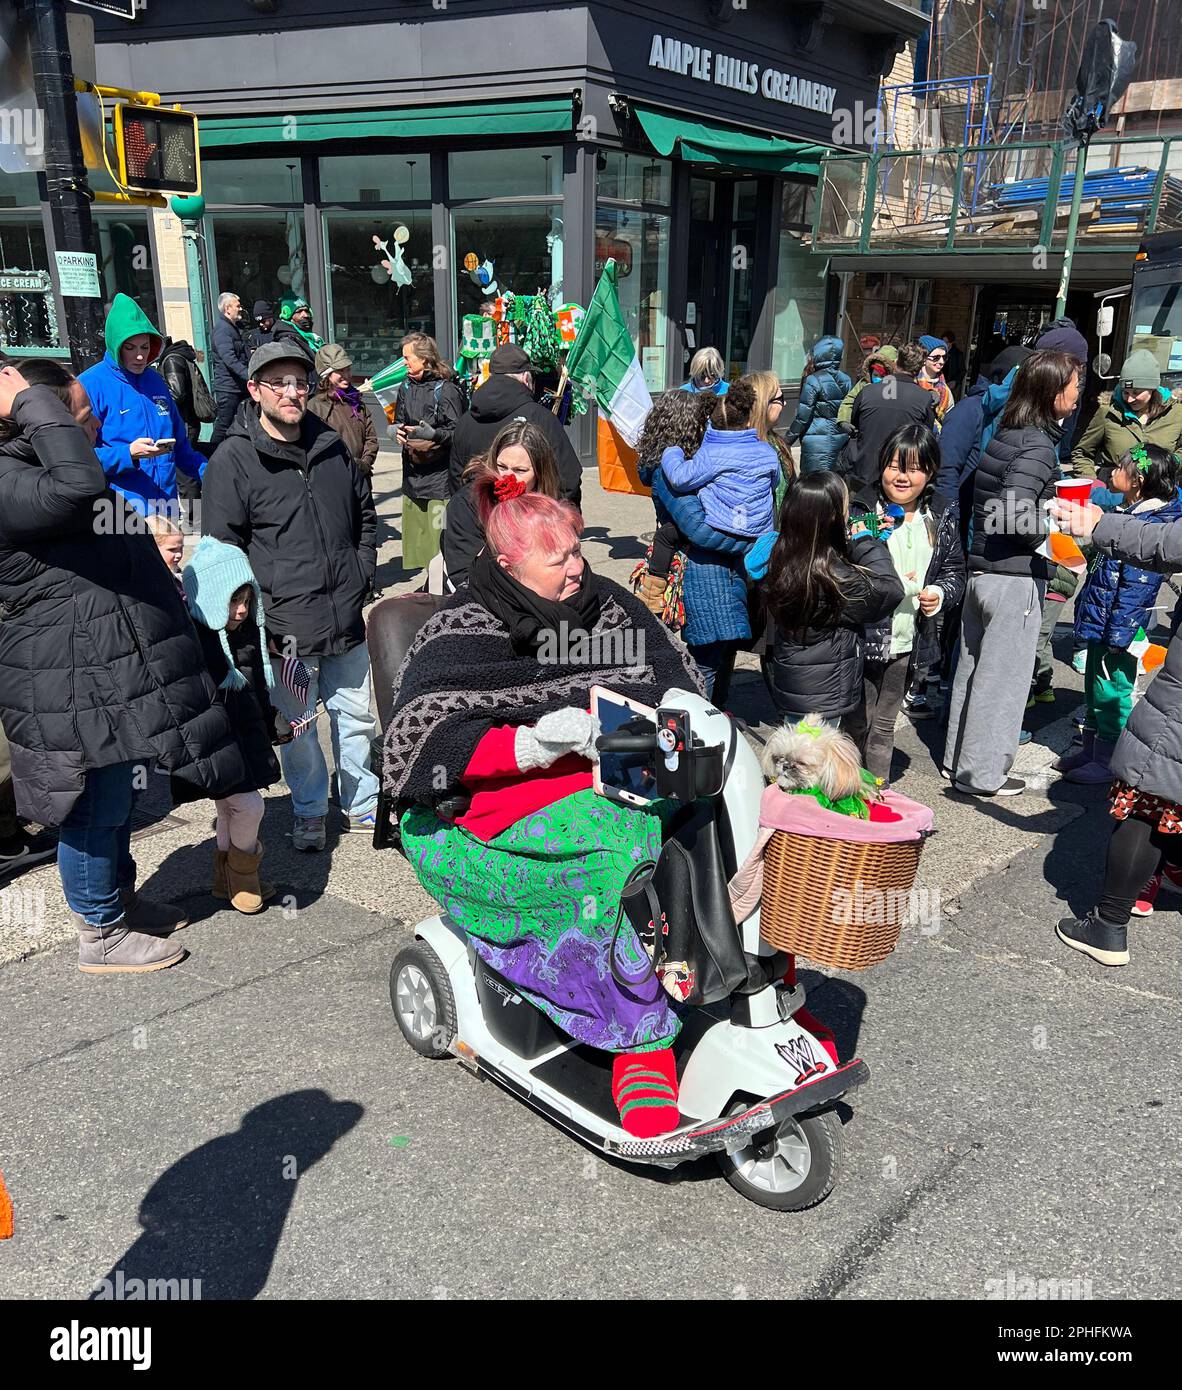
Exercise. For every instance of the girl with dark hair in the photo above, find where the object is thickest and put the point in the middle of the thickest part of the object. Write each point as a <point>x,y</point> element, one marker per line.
<point>1115,602</point>
<point>1008,575</point>
<point>924,546</point>
<point>518,461</point>
<point>822,587</point>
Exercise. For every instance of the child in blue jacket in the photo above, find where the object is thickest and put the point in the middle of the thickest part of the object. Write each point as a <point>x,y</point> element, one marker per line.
<point>1116,600</point>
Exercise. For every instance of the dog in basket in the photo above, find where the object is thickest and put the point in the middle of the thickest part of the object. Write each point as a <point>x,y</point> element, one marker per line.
<point>813,759</point>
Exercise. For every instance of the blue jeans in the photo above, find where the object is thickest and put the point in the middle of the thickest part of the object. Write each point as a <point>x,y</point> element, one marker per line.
<point>716,661</point>
<point>94,846</point>
<point>343,683</point>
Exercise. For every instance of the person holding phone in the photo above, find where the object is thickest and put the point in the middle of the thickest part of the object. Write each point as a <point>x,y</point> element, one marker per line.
<point>142,438</point>
<point>489,755</point>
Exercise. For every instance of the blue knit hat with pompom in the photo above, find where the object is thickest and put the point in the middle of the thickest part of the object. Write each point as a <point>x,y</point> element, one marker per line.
<point>214,574</point>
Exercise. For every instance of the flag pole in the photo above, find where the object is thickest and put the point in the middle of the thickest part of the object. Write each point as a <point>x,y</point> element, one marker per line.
<point>563,378</point>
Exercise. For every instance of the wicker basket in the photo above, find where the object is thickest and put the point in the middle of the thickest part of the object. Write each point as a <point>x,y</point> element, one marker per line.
<point>836,902</point>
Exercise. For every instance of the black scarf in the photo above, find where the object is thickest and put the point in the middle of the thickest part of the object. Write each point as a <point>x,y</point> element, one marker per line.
<point>527,614</point>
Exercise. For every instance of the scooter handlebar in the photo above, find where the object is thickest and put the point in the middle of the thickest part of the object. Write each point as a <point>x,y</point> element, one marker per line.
<point>626,743</point>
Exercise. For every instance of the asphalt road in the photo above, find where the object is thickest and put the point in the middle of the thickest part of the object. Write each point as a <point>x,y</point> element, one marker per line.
<point>253,1119</point>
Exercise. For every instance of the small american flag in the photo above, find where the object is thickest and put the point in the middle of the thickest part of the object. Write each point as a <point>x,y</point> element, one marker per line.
<point>295,676</point>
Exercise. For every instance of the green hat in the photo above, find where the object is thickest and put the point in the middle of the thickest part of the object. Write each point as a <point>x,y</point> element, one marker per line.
<point>1140,371</point>
<point>214,574</point>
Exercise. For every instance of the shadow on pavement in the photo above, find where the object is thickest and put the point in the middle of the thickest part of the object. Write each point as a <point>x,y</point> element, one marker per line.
<point>217,1214</point>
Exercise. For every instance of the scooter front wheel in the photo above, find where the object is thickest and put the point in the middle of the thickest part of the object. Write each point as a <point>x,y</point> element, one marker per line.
<point>422,1000</point>
<point>791,1167</point>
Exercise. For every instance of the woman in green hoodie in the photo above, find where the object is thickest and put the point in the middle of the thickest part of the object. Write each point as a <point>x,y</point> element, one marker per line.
<point>1141,411</point>
<point>142,438</point>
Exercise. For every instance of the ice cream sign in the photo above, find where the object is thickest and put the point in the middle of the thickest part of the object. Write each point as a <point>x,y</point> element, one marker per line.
<point>724,70</point>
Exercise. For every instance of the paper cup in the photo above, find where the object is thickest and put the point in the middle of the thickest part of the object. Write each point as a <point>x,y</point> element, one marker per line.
<point>1077,490</point>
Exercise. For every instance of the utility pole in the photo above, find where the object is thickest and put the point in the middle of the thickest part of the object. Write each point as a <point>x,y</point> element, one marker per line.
<point>65,171</point>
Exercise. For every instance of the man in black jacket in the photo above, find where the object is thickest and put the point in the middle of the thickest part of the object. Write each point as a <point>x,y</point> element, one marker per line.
<point>508,395</point>
<point>881,409</point>
<point>284,488</point>
<point>100,668</point>
<point>229,364</point>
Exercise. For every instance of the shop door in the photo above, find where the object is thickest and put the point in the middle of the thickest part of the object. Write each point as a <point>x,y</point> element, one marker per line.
<point>719,299</point>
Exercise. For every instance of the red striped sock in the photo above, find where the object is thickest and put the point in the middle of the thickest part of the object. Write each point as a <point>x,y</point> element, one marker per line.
<point>644,1088</point>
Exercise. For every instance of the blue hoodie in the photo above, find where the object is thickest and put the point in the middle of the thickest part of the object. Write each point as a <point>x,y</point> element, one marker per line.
<point>129,407</point>
<point>815,424</point>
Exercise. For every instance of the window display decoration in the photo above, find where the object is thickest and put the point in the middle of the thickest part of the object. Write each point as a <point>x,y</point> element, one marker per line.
<point>483,275</point>
<point>394,262</point>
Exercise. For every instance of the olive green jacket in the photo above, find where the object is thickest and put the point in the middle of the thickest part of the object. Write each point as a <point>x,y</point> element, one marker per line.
<point>1113,430</point>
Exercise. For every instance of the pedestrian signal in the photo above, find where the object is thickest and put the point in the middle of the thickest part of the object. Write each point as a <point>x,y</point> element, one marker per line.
<point>157,149</point>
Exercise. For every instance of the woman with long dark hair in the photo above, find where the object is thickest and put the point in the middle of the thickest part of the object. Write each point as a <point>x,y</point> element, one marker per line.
<point>1007,576</point>
<point>822,588</point>
<point>519,460</point>
<point>426,411</point>
<point>925,550</point>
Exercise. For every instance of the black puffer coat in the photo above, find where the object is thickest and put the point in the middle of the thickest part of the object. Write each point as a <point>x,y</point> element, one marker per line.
<point>252,717</point>
<point>946,570</point>
<point>1015,476</point>
<point>99,662</point>
<point>439,405</point>
<point>304,514</point>
<point>820,671</point>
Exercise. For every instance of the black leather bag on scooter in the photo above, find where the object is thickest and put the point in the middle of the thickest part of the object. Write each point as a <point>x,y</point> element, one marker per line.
<point>681,912</point>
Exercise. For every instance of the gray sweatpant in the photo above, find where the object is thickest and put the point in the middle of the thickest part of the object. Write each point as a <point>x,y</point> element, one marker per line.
<point>998,636</point>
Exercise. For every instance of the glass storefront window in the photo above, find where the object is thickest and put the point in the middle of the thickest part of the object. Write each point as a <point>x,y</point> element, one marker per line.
<point>800,287</point>
<point>504,173</point>
<point>634,178</point>
<point>740,315</point>
<point>519,247</point>
<point>639,242</point>
<point>376,178</point>
<point>125,259</point>
<point>28,316</point>
<point>252,180</point>
<point>19,191</point>
<point>259,256</point>
<point>370,312</point>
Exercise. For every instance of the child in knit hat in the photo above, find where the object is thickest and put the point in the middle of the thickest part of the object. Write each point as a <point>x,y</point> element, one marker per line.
<point>226,606</point>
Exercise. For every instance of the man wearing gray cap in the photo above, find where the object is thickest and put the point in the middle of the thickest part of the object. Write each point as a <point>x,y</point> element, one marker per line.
<point>284,488</point>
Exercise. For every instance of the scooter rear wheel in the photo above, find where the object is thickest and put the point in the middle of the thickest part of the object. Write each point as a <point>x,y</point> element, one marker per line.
<point>791,1167</point>
<point>422,1000</point>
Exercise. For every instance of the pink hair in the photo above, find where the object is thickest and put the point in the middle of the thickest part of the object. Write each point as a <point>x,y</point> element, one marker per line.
<point>528,525</point>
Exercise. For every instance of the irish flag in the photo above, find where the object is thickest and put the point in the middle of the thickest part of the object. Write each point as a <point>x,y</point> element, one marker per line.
<point>1149,654</point>
<point>603,363</point>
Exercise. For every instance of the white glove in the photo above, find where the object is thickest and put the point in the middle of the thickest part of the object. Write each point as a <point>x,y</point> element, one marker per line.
<point>554,735</point>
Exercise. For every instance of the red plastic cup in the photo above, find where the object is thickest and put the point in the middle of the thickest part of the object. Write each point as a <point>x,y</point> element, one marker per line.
<point>1077,490</point>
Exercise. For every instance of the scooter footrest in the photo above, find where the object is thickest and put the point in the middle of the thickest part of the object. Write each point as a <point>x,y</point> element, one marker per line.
<point>731,1132</point>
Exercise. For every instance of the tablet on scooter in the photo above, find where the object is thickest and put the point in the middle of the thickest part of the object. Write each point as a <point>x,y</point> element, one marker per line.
<point>626,777</point>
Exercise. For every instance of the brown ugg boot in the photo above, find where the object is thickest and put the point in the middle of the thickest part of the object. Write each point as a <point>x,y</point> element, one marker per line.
<point>652,592</point>
<point>221,891</point>
<point>242,879</point>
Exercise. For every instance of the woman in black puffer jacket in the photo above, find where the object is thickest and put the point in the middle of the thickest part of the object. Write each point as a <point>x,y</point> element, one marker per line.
<point>100,668</point>
<point>822,589</point>
<point>1007,576</point>
<point>926,552</point>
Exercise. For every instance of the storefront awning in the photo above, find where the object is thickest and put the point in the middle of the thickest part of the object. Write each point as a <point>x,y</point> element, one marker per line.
<point>702,142</point>
<point>535,116</point>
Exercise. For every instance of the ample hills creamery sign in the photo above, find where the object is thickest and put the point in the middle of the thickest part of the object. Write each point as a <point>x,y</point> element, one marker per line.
<point>720,69</point>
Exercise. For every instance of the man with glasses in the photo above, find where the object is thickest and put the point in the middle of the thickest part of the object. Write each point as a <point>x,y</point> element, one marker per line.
<point>284,488</point>
<point>931,375</point>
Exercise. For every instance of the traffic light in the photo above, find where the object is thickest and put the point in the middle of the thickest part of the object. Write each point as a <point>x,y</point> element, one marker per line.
<point>157,149</point>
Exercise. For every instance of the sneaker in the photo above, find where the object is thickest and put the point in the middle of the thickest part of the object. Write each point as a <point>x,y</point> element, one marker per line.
<point>1079,662</point>
<point>1105,943</point>
<point>1079,716</point>
<point>1012,786</point>
<point>1024,737</point>
<point>307,833</point>
<point>24,849</point>
<point>920,709</point>
<point>367,824</point>
<point>1040,697</point>
<point>1173,875</point>
<point>1143,907</point>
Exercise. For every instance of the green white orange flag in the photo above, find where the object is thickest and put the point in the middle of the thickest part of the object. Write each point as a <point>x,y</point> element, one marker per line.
<point>1149,654</point>
<point>603,363</point>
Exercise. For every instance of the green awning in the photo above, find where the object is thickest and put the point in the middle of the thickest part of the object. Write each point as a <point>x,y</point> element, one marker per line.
<point>533,116</point>
<point>703,142</point>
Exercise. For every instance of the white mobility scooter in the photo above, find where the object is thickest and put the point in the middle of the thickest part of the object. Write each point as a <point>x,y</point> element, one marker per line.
<point>757,1089</point>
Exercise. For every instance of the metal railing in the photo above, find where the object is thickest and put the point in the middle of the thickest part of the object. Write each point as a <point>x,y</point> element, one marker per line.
<point>985,198</point>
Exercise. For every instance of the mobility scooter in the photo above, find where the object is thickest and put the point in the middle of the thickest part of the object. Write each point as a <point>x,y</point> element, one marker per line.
<point>757,1089</point>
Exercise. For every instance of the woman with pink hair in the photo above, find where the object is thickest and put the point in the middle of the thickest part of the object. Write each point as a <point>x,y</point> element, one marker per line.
<point>489,754</point>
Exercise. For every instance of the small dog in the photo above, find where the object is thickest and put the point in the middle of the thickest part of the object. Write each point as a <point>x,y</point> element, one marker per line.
<point>810,756</point>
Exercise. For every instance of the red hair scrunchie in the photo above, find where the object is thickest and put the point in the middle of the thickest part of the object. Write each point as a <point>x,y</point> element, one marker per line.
<point>508,486</point>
